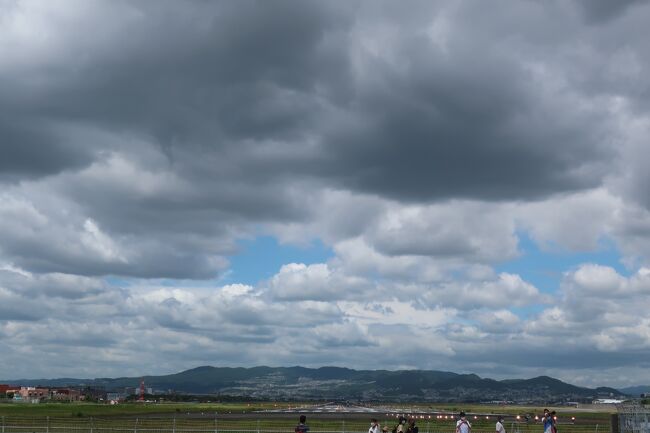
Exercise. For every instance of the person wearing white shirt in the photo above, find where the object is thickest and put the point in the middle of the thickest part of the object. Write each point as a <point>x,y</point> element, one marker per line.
<point>374,426</point>
<point>462,425</point>
<point>500,428</point>
<point>400,425</point>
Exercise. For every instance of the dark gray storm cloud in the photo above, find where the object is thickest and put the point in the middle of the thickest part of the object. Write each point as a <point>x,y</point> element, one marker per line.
<point>175,127</point>
<point>187,76</point>
<point>262,91</point>
<point>33,147</point>
<point>599,11</point>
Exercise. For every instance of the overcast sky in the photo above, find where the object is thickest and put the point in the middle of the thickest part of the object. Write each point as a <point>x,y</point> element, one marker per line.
<point>456,185</point>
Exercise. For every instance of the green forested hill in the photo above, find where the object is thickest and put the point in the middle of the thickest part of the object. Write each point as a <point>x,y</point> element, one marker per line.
<point>302,383</point>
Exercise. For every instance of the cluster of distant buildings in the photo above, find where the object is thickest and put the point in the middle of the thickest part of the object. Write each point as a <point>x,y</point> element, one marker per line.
<point>33,394</point>
<point>38,394</point>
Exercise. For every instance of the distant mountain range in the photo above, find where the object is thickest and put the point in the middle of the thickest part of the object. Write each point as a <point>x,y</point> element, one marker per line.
<point>334,383</point>
<point>636,390</point>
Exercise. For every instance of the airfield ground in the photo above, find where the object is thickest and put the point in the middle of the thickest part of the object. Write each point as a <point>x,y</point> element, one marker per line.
<point>282,417</point>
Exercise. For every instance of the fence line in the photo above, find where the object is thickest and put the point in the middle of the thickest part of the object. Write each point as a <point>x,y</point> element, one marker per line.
<point>173,429</point>
<point>211,425</point>
<point>634,418</point>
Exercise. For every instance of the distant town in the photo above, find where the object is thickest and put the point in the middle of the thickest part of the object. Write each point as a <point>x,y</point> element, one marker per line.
<point>38,394</point>
<point>31,394</point>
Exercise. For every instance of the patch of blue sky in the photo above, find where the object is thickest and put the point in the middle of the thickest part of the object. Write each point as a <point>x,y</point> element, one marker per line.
<point>119,282</point>
<point>262,257</point>
<point>259,259</point>
<point>133,282</point>
<point>545,267</point>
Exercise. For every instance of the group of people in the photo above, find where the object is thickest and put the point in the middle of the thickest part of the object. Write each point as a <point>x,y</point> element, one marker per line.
<point>402,426</point>
<point>548,419</point>
<point>462,425</point>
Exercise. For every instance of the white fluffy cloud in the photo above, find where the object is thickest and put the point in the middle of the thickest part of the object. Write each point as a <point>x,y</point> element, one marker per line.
<point>297,281</point>
<point>599,312</point>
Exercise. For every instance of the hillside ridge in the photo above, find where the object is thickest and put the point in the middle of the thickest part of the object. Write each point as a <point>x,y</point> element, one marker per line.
<point>331,382</point>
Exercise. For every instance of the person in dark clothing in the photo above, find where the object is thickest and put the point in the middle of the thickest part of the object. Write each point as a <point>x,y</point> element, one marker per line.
<point>400,427</point>
<point>412,427</point>
<point>554,421</point>
<point>302,427</point>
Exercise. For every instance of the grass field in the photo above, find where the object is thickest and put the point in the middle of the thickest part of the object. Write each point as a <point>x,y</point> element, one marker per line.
<point>245,418</point>
<point>592,413</point>
<point>127,409</point>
